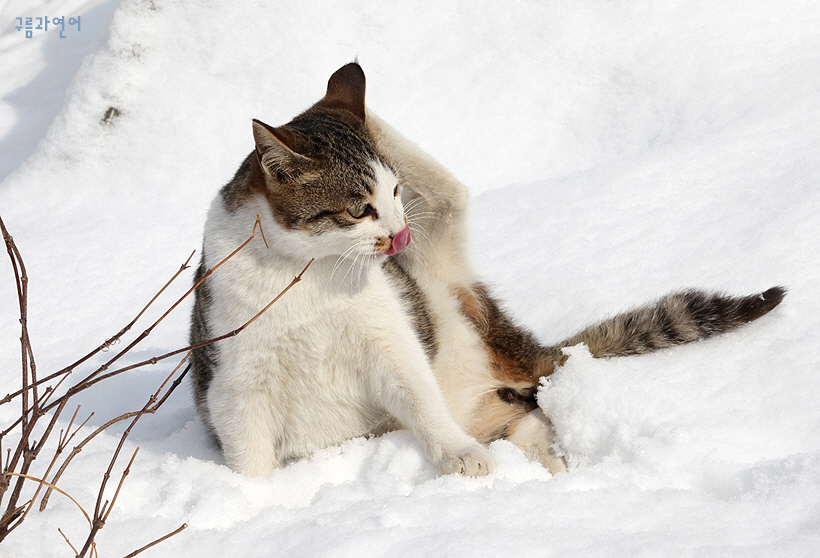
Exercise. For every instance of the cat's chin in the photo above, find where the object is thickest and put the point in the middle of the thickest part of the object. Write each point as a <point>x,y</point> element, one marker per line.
<point>367,259</point>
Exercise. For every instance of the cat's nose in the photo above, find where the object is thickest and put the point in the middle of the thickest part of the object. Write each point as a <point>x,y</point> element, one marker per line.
<point>399,242</point>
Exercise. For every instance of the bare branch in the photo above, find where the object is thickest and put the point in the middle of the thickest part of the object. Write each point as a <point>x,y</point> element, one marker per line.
<point>65,444</point>
<point>108,343</point>
<point>144,334</point>
<point>159,540</point>
<point>61,444</point>
<point>21,280</point>
<point>68,541</point>
<point>11,515</point>
<point>99,511</point>
<point>119,486</point>
<point>86,382</point>
<point>28,455</point>
<point>35,404</point>
<point>79,447</point>
<point>233,333</point>
<point>60,490</point>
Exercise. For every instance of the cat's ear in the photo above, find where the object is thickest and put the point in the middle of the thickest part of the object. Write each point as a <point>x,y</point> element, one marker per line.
<point>345,89</point>
<point>276,149</point>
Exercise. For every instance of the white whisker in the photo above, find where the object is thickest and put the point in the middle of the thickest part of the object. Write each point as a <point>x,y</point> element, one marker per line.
<point>419,232</point>
<point>362,265</point>
<point>413,203</point>
<point>339,261</point>
<point>352,265</point>
<point>423,215</point>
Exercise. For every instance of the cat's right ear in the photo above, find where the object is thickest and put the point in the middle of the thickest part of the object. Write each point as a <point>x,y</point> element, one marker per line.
<point>276,149</point>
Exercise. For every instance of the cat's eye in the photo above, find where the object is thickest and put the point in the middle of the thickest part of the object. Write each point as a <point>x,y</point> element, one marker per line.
<point>396,191</point>
<point>358,211</point>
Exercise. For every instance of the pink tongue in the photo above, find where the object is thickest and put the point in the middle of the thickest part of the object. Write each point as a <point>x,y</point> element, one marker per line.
<point>400,242</point>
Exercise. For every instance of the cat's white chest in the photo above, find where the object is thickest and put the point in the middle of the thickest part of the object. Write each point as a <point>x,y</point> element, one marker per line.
<point>300,362</point>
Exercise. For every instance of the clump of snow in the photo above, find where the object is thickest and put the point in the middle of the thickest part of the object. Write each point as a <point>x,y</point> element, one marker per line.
<point>616,151</point>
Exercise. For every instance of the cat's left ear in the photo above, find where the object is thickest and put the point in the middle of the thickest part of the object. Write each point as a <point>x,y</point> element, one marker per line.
<point>276,149</point>
<point>345,89</point>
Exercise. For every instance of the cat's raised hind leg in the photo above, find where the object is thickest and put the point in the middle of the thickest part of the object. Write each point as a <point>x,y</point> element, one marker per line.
<point>435,204</point>
<point>420,173</point>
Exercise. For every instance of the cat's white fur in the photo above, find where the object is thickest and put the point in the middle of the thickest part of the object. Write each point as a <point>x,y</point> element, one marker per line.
<point>337,356</point>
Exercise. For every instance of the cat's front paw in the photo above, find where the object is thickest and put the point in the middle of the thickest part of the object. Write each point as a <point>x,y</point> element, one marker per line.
<point>473,461</point>
<point>250,464</point>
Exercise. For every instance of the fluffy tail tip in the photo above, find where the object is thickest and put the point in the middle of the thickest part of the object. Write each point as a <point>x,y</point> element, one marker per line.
<point>763,303</point>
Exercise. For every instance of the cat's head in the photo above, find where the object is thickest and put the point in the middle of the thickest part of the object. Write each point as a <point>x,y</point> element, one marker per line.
<point>324,180</point>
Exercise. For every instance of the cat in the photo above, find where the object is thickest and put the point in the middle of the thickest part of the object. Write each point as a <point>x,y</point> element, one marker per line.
<point>390,327</point>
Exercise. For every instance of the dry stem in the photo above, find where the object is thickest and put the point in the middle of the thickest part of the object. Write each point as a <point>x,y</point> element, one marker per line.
<point>159,540</point>
<point>35,404</point>
<point>48,484</point>
<point>108,342</point>
<point>68,541</point>
<point>79,447</point>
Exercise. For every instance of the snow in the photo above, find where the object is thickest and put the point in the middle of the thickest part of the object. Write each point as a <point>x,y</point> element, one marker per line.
<point>615,152</point>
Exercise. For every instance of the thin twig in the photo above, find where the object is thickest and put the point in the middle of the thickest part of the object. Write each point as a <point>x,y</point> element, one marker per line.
<point>99,519</point>
<point>159,540</point>
<point>68,541</point>
<point>108,343</point>
<point>79,447</point>
<point>29,455</point>
<point>65,444</point>
<point>35,404</point>
<point>145,334</point>
<point>86,382</point>
<point>233,333</point>
<point>21,282</point>
<point>60,490</point>
<point>11,515</point>
<point>70,424</point>
<point>48,470</point>
<point>61,445</point>
<point>46,394</point>
<point>119,486</point>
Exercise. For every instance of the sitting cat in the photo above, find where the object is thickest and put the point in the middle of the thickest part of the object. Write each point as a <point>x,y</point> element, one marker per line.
<point>382,332</point>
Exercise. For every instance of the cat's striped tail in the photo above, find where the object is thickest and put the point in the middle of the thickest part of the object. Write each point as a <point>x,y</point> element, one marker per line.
<point>518,361</point>
<point>674,319</point>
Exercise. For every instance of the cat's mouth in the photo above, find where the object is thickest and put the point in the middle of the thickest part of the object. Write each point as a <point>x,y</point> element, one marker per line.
<point>400,242</point>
